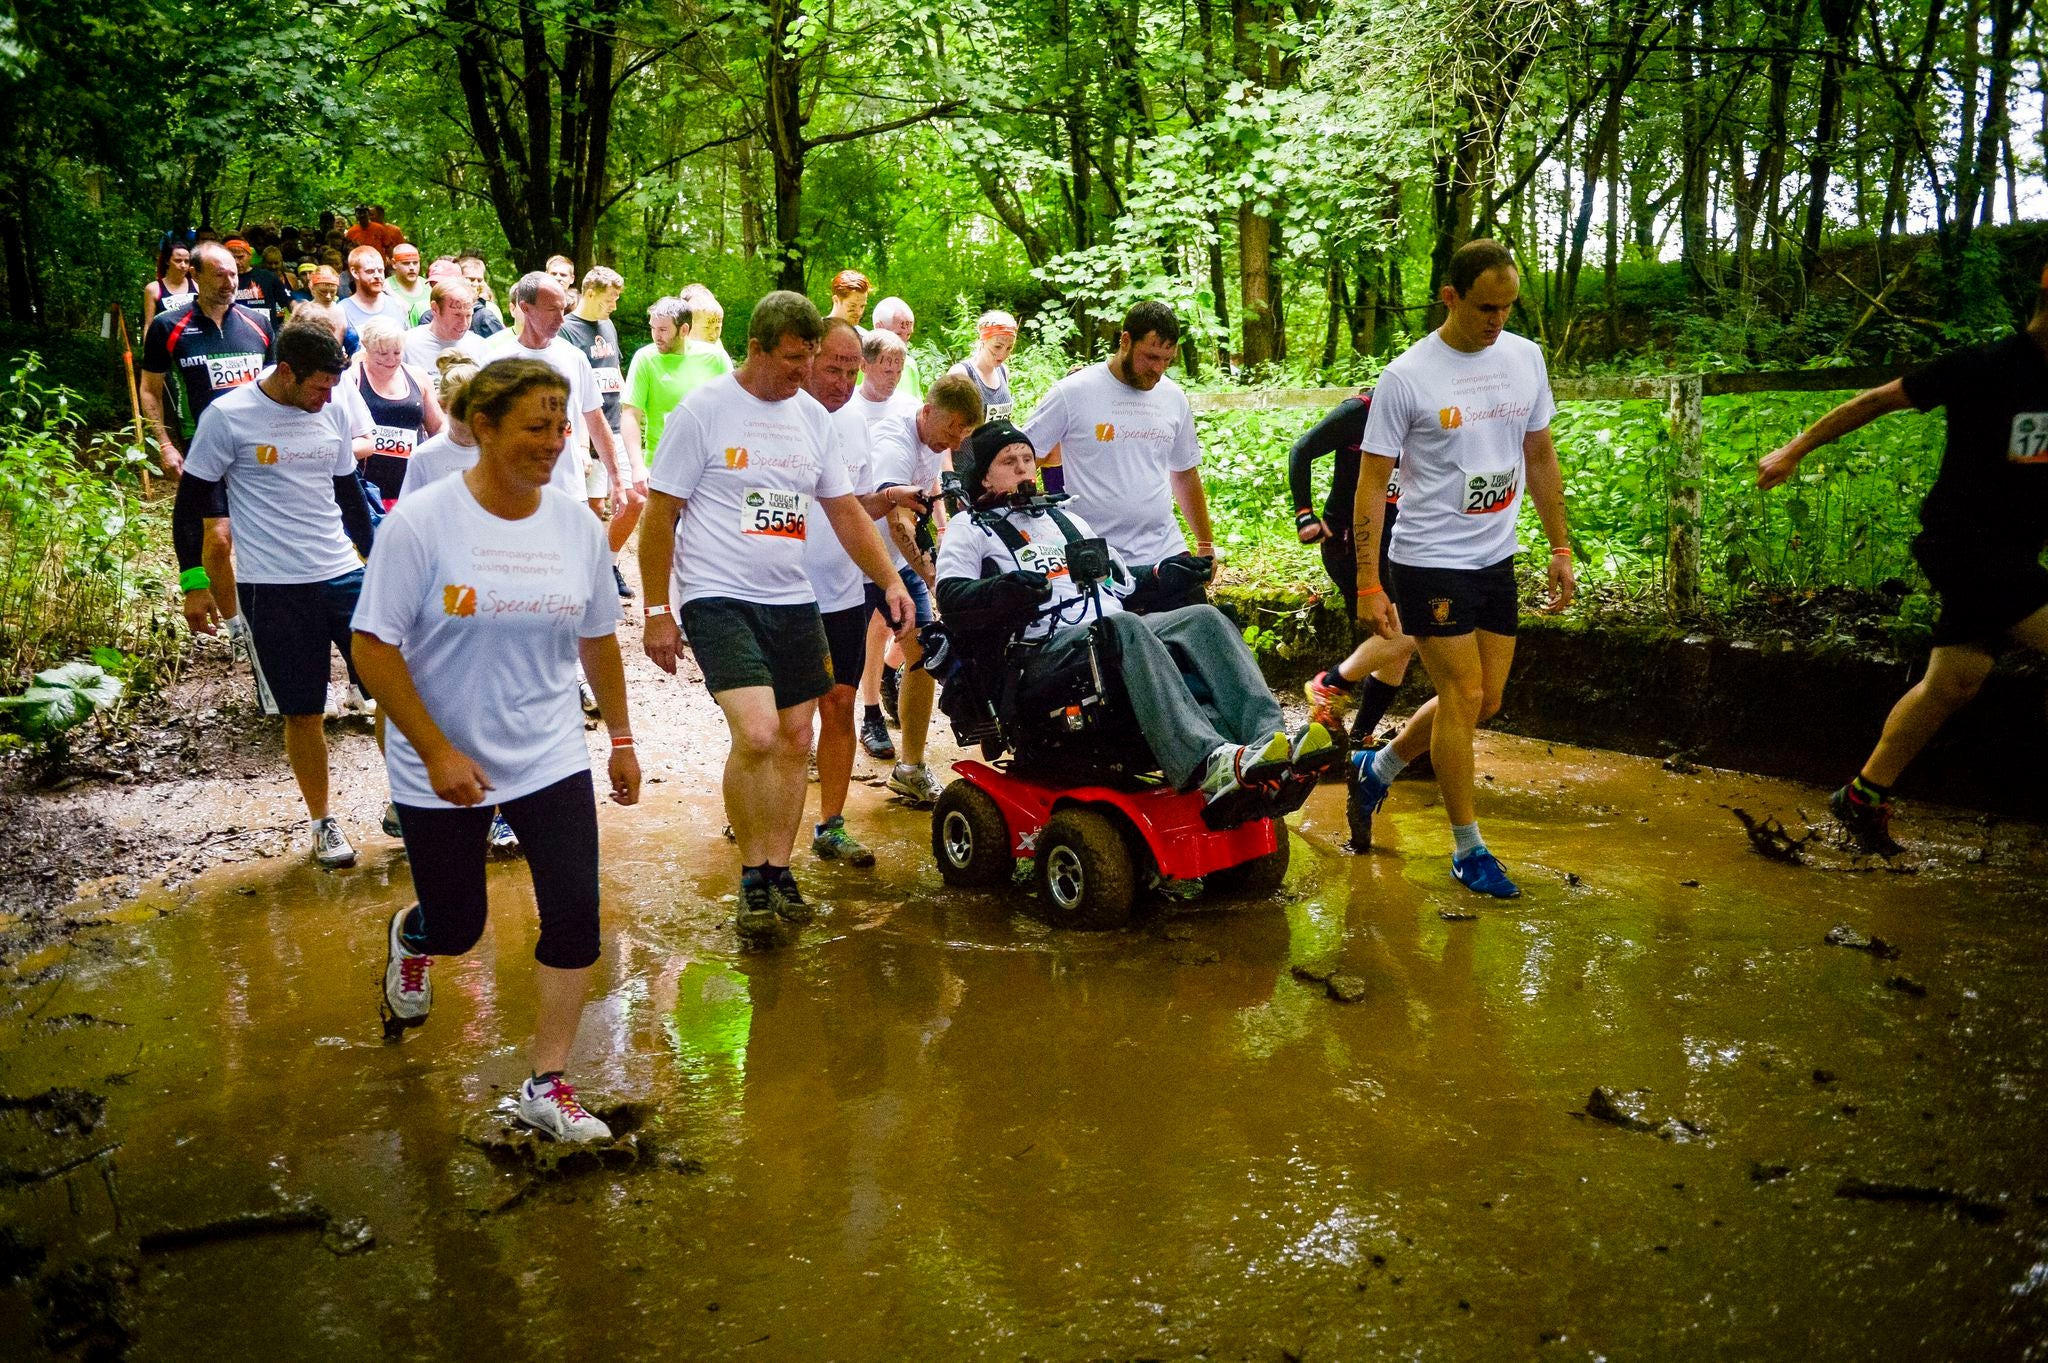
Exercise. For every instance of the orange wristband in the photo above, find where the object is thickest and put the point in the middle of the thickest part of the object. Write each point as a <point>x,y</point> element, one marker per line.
<point>1364,592</point>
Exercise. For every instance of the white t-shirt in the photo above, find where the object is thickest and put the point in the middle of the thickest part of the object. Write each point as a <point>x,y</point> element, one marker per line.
<point>836,579</point>
<point>901,456</point>
<point>895,404</point>
<point>750,471</point>
<point>437,457</point>
<point>968,543</point>
<point>279,463</point>
<point>423,349</point>
<point>1456,422</point>
<point>1118,445</point>
<point>487,613</point>
<point>389,305</point>
<point>570,363</point>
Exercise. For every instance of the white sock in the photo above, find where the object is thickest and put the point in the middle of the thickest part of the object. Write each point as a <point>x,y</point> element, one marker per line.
<point>235,624</point>
<point>1467,837</point>
<point>1388,764</point>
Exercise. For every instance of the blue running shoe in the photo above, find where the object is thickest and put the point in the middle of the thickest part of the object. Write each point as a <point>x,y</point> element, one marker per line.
<point>1364,793</point>
<point>1481,873</point>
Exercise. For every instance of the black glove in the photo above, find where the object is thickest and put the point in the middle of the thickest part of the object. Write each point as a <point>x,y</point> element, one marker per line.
<point>1180,574</point>
<point>1002,601</point>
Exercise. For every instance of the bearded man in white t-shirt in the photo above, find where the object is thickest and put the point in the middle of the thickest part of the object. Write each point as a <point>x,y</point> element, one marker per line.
<point>1119,439</point>
<point>743,464</point>
<point>1467,411</point>
<point>541,306</point>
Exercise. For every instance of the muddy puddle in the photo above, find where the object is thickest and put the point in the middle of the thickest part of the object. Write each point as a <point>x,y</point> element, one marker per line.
<point>936,1129</point>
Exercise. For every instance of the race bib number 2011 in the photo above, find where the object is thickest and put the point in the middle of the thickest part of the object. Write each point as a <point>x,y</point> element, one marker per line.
<point>766,511</point>
<point>231,371</point>
<point>2029,442</point>
<point>1486,493</point>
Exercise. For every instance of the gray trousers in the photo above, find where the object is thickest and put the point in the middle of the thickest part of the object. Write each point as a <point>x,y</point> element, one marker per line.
<point>1192,683</point>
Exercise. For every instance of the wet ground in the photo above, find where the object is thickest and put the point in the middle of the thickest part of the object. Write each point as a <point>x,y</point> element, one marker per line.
<point>934,1128</point>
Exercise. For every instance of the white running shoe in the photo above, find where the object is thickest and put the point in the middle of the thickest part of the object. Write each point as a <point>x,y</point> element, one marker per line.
<point>550,1107</point>
<point>330,847</point>
<point>915,784</point>
<point>503,839</point>
<point>238,639</point>
<point>408,993</point>
<point>586,696</point>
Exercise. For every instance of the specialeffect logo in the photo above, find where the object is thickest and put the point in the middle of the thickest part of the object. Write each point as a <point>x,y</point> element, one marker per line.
<point>458,600</point>
<point>1105,432</point>
<point>1451,418</point>
<point>736,456</point>
<point>266,454</point>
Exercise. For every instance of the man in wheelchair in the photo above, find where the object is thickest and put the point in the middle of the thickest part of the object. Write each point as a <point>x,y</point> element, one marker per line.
<point>1032,606</point>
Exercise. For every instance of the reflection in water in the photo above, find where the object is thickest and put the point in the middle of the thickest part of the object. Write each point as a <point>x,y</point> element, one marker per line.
<point>936,1129</point>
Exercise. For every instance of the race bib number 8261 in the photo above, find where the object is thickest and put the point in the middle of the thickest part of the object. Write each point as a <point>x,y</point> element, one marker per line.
<point>766,511</point>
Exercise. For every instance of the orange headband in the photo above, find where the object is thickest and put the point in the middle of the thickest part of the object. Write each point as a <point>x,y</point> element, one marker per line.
<point>998,329</point>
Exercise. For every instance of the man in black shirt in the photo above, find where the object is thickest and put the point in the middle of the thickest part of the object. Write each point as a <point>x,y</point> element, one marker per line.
<point>1381,663</point>
<point>213,346</point>
<point>1982,529</point>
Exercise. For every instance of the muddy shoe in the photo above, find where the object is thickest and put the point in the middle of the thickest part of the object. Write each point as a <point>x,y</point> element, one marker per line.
<point>391,826</point>
<point>789,902</point>
<point>408,993</point>
<point>757,921</point>
<point>1480,872</point>
<point>1364,794</point>
<point>1242,781</point>
<point>1868,824</point>
<point>831,842</point>
<point>1315,750</point>
<point>549,1106</point>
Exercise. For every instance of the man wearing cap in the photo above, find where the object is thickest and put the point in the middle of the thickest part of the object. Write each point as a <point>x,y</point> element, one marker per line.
<point>1982,529</point>
<point>1004,574</point>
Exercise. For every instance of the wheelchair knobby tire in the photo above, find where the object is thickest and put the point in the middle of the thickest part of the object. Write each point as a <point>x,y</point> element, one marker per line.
<point>1085,874</point>
<point>1257,878</point>
<point>970,840</point>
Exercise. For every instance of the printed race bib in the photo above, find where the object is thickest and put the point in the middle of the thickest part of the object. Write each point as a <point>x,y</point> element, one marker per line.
<point>609,381</point>
<point>999,411</point>
<point>2029,442</point>
<point>1394,485</point>
<point>394,441</point>
<point>1050,559</point>
<point>766,511</point>
<point>231,371</point>
<point>1486,493</point>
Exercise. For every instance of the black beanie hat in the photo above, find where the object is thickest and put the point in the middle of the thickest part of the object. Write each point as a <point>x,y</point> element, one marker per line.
<point>979,450</point>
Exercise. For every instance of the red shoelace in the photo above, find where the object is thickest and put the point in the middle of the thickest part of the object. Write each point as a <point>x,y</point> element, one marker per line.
<point>412,973</point>
<point>564,1097</point>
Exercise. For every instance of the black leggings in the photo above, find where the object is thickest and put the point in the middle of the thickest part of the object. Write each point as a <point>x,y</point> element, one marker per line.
<point>557,828</point>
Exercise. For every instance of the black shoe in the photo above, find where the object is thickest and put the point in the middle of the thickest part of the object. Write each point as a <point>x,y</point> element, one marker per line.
<point>1868,825</point>
<point>757,920</point>
<point>874,737</point>
<point>892,688</point>
<point>789,900</point>
<point>625,592</point>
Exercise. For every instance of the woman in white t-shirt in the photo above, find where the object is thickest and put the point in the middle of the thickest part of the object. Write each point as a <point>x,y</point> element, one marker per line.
<point>480,597</point>
<point>454,449</point>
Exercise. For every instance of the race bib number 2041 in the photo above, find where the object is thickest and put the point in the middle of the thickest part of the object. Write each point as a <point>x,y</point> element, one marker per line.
<point>1486,493</point>
<point>2029,443</point>
<point>767,511</point>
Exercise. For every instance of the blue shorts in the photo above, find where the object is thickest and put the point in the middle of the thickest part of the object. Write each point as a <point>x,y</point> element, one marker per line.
<point>293,625</point>
<point>912,583</point>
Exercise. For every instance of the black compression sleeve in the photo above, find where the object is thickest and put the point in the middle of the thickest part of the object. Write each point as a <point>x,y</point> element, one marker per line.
<point>355,513</point>
<point>1340,427</point>
<point>188,518</point>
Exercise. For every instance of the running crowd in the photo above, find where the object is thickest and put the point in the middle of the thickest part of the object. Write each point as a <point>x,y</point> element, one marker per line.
<point>394,468</point>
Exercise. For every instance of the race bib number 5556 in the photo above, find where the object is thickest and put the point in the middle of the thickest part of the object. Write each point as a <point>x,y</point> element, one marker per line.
<point>765,511</point>
<point>1486,493</point>
<point>2029,443</point>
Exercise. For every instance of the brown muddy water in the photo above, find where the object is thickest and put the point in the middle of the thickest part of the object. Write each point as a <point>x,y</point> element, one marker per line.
<point>936,1129</point>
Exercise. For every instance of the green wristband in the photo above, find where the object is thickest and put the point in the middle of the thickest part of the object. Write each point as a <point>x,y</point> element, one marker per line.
<point>195,580</point>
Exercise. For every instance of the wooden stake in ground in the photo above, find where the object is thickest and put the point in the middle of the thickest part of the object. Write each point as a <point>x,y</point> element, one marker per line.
<point>134,393</point>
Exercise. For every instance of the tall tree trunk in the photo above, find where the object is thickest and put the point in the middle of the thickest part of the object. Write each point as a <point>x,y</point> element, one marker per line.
<point>1257,292</point>
<point>786,149</point>
<point>1967,186</point>
<point>1838,23</point>
<point>1997,116</point>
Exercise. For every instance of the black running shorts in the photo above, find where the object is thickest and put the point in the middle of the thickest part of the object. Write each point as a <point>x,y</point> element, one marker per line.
<point>1443,602</point>
<point>1985,588</point>
<point>737,643</point>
